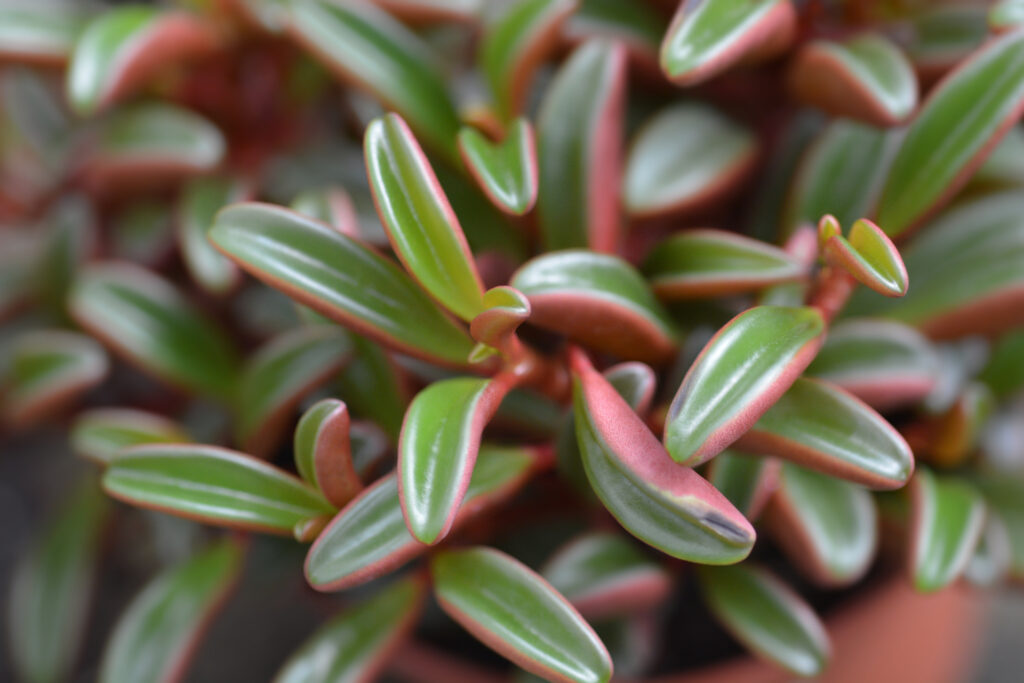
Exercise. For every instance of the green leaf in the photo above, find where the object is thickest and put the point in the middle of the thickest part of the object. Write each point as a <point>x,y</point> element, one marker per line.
<point>99,434</point>
<point>323,452</point>
<point>506,309</point>
<point>636,25</point>
<point>598,300</point>
<point>212,485</point>
<point>579,140</point>
<point>1005,15</point>
<point>604,575</point>
<point>145,319</point>
<point>1005,165</point>
<point>368,48</point>
<point>51,589</point>
<point>276,378</point>
<point>519,615</point>
<point>709,263</point>
<point>438,448</point>
<point>421,225</point>
<point>1004,495</point>
<point>506,171</point>
<point>354,645</point>
<point>871,257</point>
<point>38,32</point>
<point>72,228</point>
<point>1004,373</point>
<point>822,427</point>
<point>48,369</point>
<point>828,527</point>
<point>374,387</point>
<point>947,518</point>
<point>514,44</point>
<point>740,373</point>
<point>683,157</point>
<point>160,630</point>
<point>369,537</point>
<point>122,48</point>
<point>669,507</point>
<point>200,201</point>
<point>954,132</point>
<point>746,480</point>
<point>885,364</point>
<point>865,78</point>
<point>764,614</point>
<point>340,278</point>
<point>707,38</point>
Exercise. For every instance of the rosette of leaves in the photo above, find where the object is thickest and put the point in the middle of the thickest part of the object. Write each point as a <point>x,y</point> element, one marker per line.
<point>561,351</point>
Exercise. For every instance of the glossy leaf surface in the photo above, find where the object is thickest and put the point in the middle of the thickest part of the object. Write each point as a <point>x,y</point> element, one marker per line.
<point>212,485</point>
<point>871,257</point>
<point>99,434</point>
<point>738,375</point>
<point>946,523</point>
<point>200,201</point>
<point>340,278</point>
<point>515,612</point>
<point>505,171</point>
<point>323,452</point>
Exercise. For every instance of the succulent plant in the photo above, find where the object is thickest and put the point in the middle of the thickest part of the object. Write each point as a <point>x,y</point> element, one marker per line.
<point>568,317</point>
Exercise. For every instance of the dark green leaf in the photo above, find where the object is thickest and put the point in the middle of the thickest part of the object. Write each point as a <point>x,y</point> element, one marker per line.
<point>374,387</point>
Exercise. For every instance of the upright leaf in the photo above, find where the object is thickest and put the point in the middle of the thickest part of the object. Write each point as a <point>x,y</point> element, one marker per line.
<point>323,452</point>
<point>200,201</point>
<point>947,518</point>
<point>871,257</point>
<point>516,613</point>
<point>99,434</point>
<point>506,171</point>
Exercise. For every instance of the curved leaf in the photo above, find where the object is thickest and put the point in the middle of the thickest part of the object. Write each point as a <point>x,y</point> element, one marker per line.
<point>507,308</point>
<point>506,171</point>
<point>603,575</point>
<point>212,485</point>
<point>515,612</point>
<point>340,278</point>
<point>708,37</point>
<point>946,522</point>
<point>48,369</point>
<point>438,448</point>
<point>421,225</point>
<point>748,481</point>
<point>99,434</point>
<point>368,48</point>
<point>669,507</point>
<point>579,141</point>
<point>739,374</point>
<point>276,378</point>
<point>38,33</point>
<point>598,300</point>
<point>200,201</point>
<point>871,257</point>
<point>369,538</point>
<point>683,157</point>
<point>123,48</point>
<point>865,78</point>
<point>956,128</point>
<point>709,263</point>
<point>155,637</point>
<point>771,620</point>
<point>142,317</point>
<point>323,452</point>
<point>354,646</point>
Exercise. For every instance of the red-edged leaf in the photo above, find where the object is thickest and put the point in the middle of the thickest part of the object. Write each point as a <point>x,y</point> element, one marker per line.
<point>323,451</point>
<point>505,171</point>
<point>871,257</point>
<point>506,309</point>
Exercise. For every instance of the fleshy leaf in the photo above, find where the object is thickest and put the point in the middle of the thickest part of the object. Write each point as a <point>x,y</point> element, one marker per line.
<point>865,78</point>
<point>51,588</point>
<point>354,645</point>
<point>505,171</point>
<point>956,128</point>
<point>684,157</point>
<point>276,378</point>
<point>518,614</point>
<point>828,527</point>
<point>212,485</point>
<point>340,278</point>
<point>156,636</point>
<point>421,225</point>
<point>669,507</point>
<point>598,300</point>
<point>438,449</point>
<point>369,537</point>
<point>515,44</point>
<point>99,434</point>
<point>706,38</point>
<point>368,48</point>
<point>709,263</point>
<point>48,369</point>
<point>604,575</point>
<point>946,523</point>
<point>871,257</point>
<point>144,318</point>
<point>323,452</point>
<point>506,309</point>
<point>38,33</point>
<point>747,366</point>
<point>767,616</point>
<point>200,201</point>
<point>579,141</point>
<point>123,48</point>
<point>748,481</point>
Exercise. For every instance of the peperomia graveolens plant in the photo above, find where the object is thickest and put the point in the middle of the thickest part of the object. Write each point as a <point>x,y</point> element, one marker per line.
<point>546,324</point>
